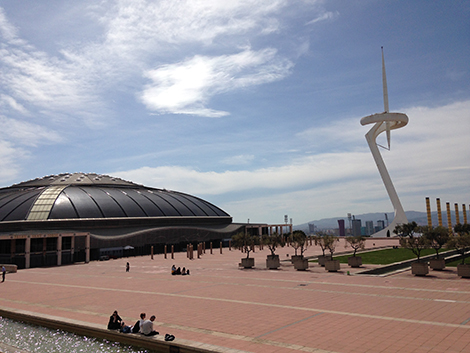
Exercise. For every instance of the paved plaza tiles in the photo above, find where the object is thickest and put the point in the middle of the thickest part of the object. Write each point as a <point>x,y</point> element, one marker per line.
<point>257,310</point>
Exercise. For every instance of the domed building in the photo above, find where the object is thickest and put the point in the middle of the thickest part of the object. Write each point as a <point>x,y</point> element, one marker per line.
<point>66,218</point>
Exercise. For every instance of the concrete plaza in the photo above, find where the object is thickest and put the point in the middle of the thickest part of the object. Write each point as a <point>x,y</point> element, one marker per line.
<point>257,310</point>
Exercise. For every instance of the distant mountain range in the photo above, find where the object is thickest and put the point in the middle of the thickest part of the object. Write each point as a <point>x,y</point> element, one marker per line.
<point>419,217</point>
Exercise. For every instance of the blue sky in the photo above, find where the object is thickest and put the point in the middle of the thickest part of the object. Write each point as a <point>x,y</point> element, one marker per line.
<point>252,105</point>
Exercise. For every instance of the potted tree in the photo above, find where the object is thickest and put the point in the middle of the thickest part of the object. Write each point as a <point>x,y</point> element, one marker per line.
<point>460,241</point>
<point>437,237</point>
<point>331,265</point>
<point>245,242</point>
<point>298,240</point>
<point>322,240</point>
<point>273,242</point>
<point>411,239</point>
<point>355,242</point>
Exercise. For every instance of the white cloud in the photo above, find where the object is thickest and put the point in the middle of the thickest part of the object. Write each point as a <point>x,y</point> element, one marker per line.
<point>10,102</point>
<point>184,88</point>
<point>10,158</point>
<point>428,158</point>
<point>323,17</point>
<point>21,132</point>
<point>241,159</point>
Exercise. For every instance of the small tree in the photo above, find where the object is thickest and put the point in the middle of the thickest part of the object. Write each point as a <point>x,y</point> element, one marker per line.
<point>298,239</point>
<point>331,245</point>
<point>437,237</point>
<point>273,242</point>
<point>460,241</point>
<point>355,242</point>
<point>245,242</point>
<point>323,240</point>
<point>410,239</point>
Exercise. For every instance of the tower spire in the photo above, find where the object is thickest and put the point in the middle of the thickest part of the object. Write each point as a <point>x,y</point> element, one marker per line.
<point>385,91</point>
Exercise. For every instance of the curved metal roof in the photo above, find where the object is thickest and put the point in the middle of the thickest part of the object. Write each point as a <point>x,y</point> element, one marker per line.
<point>94,196</point>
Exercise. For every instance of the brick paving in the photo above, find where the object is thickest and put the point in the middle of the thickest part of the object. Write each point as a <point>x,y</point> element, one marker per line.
<point>258,310</point>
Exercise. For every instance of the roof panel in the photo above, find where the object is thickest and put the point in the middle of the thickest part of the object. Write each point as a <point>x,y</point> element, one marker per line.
<point>130,207</point>
<point>16,206</point>
<point>63,208</point>
<point>108,206</point>
<point>83,203</point>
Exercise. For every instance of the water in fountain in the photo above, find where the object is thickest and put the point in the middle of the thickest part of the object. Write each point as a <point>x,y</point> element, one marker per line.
<point>32,338</point>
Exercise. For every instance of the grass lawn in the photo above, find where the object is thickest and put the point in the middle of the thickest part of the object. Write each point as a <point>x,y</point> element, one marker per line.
<point>385,256</point>
<point>459,261</point>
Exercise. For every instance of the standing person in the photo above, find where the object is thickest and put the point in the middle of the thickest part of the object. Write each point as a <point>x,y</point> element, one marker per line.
<point>114,321</point>
<point>127,267</point>
<point>4,271</point>
<point>147,327</point>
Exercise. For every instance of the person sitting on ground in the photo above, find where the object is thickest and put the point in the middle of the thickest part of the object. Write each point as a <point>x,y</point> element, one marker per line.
<point>184,271</point>
<point>114,321</point>
<point>173,270</point>
<point>187,272</point>
<point>138,325</point>
<point>147,327</point>
<point>125,328</point>
<point>178,271</point>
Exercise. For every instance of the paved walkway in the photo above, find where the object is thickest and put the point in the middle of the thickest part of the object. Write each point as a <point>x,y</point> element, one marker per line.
<point>258,310</point>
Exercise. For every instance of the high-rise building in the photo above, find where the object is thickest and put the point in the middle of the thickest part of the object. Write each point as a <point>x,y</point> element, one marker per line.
<point>381,224</point>
<point>356,227</point>
<point>369,227</point>
<point>311,228</point>
<point>342,231</point>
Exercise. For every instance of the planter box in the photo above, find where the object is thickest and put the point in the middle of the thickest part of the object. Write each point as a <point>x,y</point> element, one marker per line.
<point>437,264</point>
<point>248,262</point>
<point>332,265</point>
<point>419,268</point>
<point>295,258</point>
<point>322,259</point>
<point>463,270</point>
<point>301,264</point>
<point>272,262</point>
<point>355,261</point>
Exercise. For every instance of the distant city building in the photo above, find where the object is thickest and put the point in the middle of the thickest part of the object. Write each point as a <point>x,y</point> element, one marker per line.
<point>311,228</point>
<point>356,227</point>
<point>342,231</point>
<point>369,228</point>
<point>363,231</point>
<point>381,224</point>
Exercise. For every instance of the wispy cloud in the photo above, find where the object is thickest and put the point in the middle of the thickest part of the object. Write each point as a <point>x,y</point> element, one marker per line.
<point>186,87</point>
<point>241,159</point>
<point>323,17</point>
<point>27,134</point>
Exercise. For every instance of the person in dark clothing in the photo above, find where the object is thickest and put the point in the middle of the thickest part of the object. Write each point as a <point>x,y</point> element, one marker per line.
<point>127,267</point>
<point>114,321</point>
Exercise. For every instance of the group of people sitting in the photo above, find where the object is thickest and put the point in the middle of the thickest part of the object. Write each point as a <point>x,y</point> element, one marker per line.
<point>142,326</point>
<point>178,271</point>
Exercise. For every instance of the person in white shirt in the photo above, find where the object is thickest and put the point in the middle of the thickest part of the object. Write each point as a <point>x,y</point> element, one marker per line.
<point>147,327</point>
